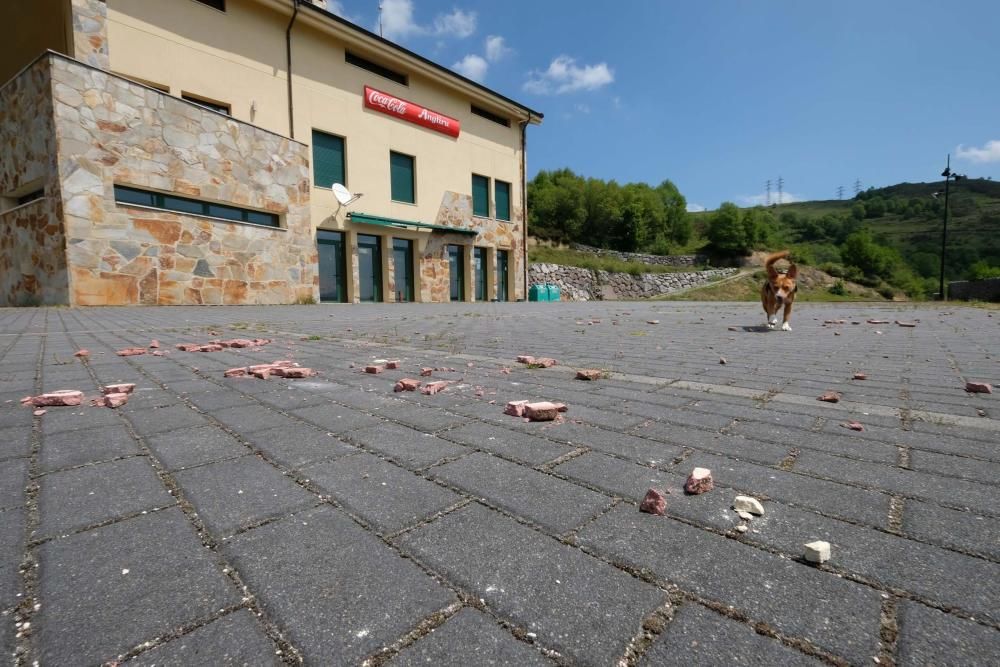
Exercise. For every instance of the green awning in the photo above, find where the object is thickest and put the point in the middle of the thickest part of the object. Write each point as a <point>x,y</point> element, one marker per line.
<point>403,224</point>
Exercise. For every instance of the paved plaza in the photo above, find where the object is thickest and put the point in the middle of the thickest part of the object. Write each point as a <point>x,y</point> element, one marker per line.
<point>331,521</point>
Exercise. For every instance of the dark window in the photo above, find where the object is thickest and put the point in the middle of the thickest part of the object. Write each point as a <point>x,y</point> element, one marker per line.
<point>375,68</point>
<point>489,115</point>
<point>134,196</point>
<point>217,4</point>
<point>401,168</point>
<point>214,106</point>
<point>328,159</point>
<point>502,200</point>
<point>480,196</point>
<point>31,196</point>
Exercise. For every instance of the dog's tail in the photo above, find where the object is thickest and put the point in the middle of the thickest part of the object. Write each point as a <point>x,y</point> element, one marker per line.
<point>771,259</point>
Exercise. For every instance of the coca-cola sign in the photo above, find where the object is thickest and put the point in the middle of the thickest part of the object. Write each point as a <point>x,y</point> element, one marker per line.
<point>408,111</point>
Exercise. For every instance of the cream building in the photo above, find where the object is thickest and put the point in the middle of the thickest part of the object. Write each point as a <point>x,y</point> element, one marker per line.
<point>159,153</point>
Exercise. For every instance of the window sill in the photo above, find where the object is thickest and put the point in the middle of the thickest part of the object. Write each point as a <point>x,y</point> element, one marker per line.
<point>408,203</point>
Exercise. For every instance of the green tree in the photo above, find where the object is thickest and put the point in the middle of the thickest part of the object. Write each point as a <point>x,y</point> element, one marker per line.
<point>861,250</point>
<point>758,223</point>
<point>725,230</point>
<point>858,211</point>
<point>676,218</point>
<point>556,204</point>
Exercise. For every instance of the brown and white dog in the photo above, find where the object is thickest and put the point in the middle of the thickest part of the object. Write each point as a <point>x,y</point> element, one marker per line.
<point>778,291</point>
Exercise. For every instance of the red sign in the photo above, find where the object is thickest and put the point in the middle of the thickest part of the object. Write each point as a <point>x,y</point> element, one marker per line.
<point>408,111</point>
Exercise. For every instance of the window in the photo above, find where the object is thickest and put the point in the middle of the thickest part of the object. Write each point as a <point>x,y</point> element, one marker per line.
<point>134,196</point>
<point>30,197</point>
<point>502,199</point>
<point>489,115</point>
<point>480,196</point>
<point>216,4</point>
<point>375,68</point>
<point>328,159</point>
<point>214,106</point>
<point>145,82</point>
<point>401,168</point>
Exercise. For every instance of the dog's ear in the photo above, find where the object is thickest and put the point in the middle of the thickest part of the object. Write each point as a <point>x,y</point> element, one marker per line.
<point>792,271</point>
<point>772,272</point>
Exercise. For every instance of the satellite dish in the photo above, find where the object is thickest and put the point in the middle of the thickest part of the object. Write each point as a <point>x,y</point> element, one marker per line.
<point>344,195</point>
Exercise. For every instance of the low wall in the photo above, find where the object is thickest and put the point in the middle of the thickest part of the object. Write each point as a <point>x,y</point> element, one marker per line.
<point>578,284</point>
<point>666,260</point>
<point>979,290</point>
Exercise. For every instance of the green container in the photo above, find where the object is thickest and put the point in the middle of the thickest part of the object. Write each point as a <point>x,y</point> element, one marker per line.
<point>538,293</point>
<point>553,291</point>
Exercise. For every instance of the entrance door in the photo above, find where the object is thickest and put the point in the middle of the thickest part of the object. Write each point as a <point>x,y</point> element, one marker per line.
<point>456,267</point>
<point>369,268</point>
<point>479,265</point>
<point>402,257</point>
<point>501,275</point>
<point>332,266</point>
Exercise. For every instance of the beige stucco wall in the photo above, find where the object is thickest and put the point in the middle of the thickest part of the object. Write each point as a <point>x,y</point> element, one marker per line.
<point>238,58</point>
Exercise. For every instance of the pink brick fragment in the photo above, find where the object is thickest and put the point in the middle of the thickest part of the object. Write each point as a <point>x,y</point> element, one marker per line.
<point>434,387</point>
<point>235,373</point>
<point>407,384</point>
<point>123,388</point>
<point>829,397</point>
<point>854,426</point>
<point>542,411</point>
<point>159,353</point>
<point>515,408</point>
<point>699,481</point>
<point>65,397</point>
<point>82,353</point>
<point>654,503</point>
<point>545,362</point>
<point>392,364</point>
<point>292,373</point>
<point>131,351</point>
<point>588,374</point>
<point>111,400</point>
<point>374,369</point>
<point>525,359</point>
<point>860,376</point>
<point>978,388</point>
<point>426,372</point>
<point>154,344</point>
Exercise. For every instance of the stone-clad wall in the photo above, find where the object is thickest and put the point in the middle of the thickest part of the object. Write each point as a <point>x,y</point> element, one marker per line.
<point>32,244</point>
<point>90,32</point>
<point>666,260</point>
<point>113,131</point>
<point>579,284</point>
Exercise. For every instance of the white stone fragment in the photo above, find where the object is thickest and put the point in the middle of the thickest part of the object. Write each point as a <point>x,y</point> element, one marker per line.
<point>746,516</point>
<point>748,504</point>
<point>817,552</point>
<point>742,528</point>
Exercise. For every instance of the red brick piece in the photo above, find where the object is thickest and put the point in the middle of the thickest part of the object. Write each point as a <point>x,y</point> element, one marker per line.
<point>154,344</point>
<point>542,411</point>
<point>123,388</point>
<point>654,503</point>
<point>284,372</point>
<point>978,388</point>
<point>426,372</point>
<point>82,353</point>
<point>699,481</point>
<point>131,351</point>
<point>374,369</point>
<point>111,400</point>
<point>434,387</point>
<point>860,376</point>
<point>588,374</point>
<point>407,384</point>
<point>829,397</point>
<point>545,362</point>
<point>392,364</point>
<point>515,408</point>
<point>65,397</point>
<point>854,426</point>
<point>235,373</point>
<point>525,359</point>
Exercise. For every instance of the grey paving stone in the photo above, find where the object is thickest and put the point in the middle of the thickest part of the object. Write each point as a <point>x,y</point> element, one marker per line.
<point>70,419</point>
<point>428,419</point>
<point>577,605</point>
<point>12,524</point>
<point>233,494</point>
<point>697,636</point>
<point>642,449</point>
<point>952,528</point>
<point>385,495</point>
<point>220,399</point>
<point>743,448</point>
<point>931,637</point>
<point>523,447</point>
<point>151,570</point>
<point>827,442</point>
<point>88,445</point>
<point>957,466</point>
<point>406,446</point>
<point>847,623</point>
<point>249,419</point>
<point>338,592</point>
<point>13,479</point>
<point>235,640</point>
<point>335,418</point>
<point>470,637</point>
<point>538,497</point>
<point>189,447</point>
<point>299,444</point>
<point>161,420</point>
<point>621,478</point>
<point>15,442</point>
<point>76,498</point>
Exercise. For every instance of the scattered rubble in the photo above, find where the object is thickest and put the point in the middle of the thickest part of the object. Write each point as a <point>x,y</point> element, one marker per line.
<point>525,359</point>
<point>878,321</point>
<point>110,400</point>
<point>589,374</point>
<point>283,368</point>
<point>652,321</point>
<point>426,372</point>
<point>860,376</point>
<point>392,364</point>
<point>829,397</point>
<point>654,503</point>
<point>122,388</point>
<point>699,481</point>
<point>131,351</point>
<point>543,411</point>
<point>82,353</point>
<point>742,528</point>
<point>374,369</point>
<point>39,412</point>
<point>219,345</point>
<point>63,397</point>
<point>817,552</point>
<point>515,408</point>
<point>743,514</point>
<point>978,388</point>
<point>748,504</point>
<point>434,387</point>
<point>722,361</point>
<point>544,362</point>
<point>154,344</point>
<point>854,426</point>
<point>407,384</point>
<point>906,324</point>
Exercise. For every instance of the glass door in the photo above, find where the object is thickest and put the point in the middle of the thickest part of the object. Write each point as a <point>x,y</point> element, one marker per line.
<point>332,266</point>
<point>402,258</point>
<point>456,267</point>
<point>369,268</point>
<point>501,275</point>
<point>479,266</point>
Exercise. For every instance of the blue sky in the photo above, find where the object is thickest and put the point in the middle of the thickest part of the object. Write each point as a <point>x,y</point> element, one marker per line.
<point>720,96</point>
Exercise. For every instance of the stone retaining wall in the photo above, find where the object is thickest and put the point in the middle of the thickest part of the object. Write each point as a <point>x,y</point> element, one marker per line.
<point>666,260</point>
<point>980,290</point>
<point>579,284</point>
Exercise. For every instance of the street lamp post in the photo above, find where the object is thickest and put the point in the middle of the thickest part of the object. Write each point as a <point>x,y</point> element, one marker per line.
<point>948,175</point>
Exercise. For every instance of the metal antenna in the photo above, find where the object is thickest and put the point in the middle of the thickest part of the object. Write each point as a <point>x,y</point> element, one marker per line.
<point>857,185</point>
<point>769,192</point>
<point>781,187</point>
<point>840,192</point>
<point>380,18</point>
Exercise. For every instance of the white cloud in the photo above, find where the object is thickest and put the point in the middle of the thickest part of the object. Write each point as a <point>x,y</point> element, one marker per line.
<point>695,208</point>
<point>582,108</point>
<point>399,23</point>
<point>990,152</point>
<point>565,76</point>
<point>761,199</point>
<point>496,49</point>
<point>458,24</point>
<point>472,66</point>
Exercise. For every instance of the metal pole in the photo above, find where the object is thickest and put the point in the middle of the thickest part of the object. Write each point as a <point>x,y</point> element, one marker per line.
<point>944,228</point>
